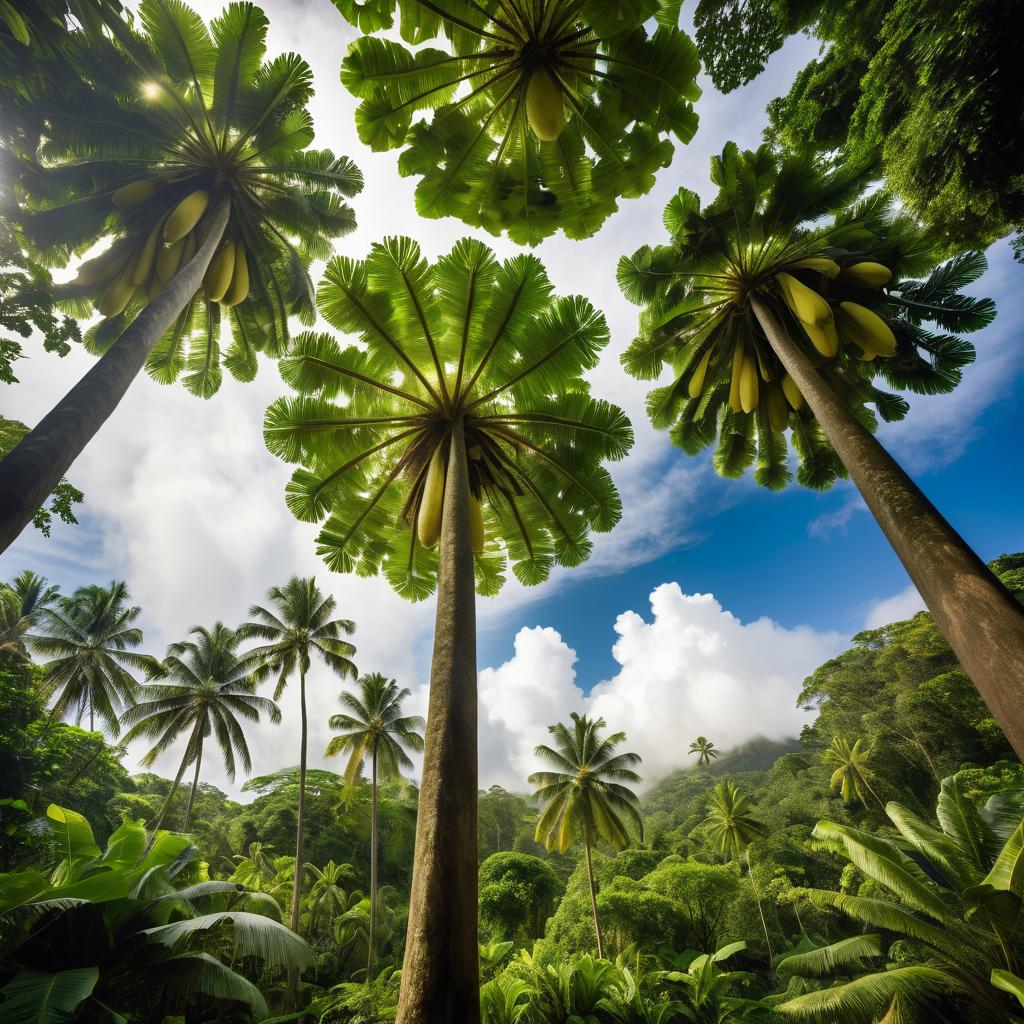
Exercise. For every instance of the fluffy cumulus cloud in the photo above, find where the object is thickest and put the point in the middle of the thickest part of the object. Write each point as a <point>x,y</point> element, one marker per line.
<point>692,668</point>
<point>906,603</point>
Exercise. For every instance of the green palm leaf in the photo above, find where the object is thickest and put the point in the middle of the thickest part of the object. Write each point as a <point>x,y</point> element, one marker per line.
<point>34,997</point>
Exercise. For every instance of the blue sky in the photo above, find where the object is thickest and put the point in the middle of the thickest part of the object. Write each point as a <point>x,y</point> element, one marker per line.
<point>184,502</point>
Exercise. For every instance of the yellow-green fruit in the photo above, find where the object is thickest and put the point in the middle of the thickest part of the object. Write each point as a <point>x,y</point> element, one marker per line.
<point>136,192</point>
<point>762,367</point>
<point>167,260</point>
<point>805,302</point>
<point>156,286</point>
<point>822,264</point>
<point>778,411</point>
<point>188,248</point>
<point>219,272</point>
<point>428,522</point>
<point>144,261</point>
<point>239,287</point>
<point>734,379</point>
<point>748,384</point>
<point>823,337</point>
<point>102,269</point>
<point>871,275</point>
<point>696,384</point>
<point>117,295</point>
<point>867,329</point>
<point>185,215</point>
<point>792,392</point>
<point>544,108</point>
<point>476,526</point>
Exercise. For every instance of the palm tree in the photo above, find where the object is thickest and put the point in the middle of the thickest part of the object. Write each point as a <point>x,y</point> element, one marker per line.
<point>776,318</point>
<point>584,795</point>
<point>704,749</point>
<point>22,601</point>
<point>207,693</point>
<point>373,726</point>
<point>466,438</point>
<point>298,625</point>
<point>542,113</point>
<point>88,636</point>
<point>193,152</point>
<point>949,918</point>
<point>327,899</point>
<point>852,775</point>
<point>732,826</point>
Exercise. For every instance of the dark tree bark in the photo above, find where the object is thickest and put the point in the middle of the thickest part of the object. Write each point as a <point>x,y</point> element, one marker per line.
<point>593,899</point>
<point>441,972</point>
<point>31,470</point>
<point>300,829</point>
<point>192,791</point>
<point>979,617</point>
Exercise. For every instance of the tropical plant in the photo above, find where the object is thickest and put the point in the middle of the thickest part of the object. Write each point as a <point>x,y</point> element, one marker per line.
<point>472,365</point>
<point>731,825</point>
<point>206,693</point>
<point>541,114</point>
<point>852,776</point>
<point>193,152</point>
<point>21,603</point>
<point>262,873</point>
<point>327,899</point>
<point>704,749</point>
<point>748,304</point>
<point>296,626</point>
<point>88,636</point>
<point>370,1002</point>
<point>944,905</point>
<point>518,894</point>
<point>583,795</point>
<point>707,992</point>
<point>374,727</point>
<point>352,928</point>
<point>111,932</point>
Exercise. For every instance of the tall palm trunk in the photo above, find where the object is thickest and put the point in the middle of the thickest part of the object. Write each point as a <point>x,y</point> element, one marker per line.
<point>300,828</point>
<point>174,788</point>
<point>593,898</point>
<point>440,974</point>
<point>192,791</point>
<point>979,617</point>
<point>31,470</point>
<point>760,908</point>
<point>373,863</point>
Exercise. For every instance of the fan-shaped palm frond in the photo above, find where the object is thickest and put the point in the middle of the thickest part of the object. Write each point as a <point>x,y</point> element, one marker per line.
<point>852,775</point>
<point>540,113</point>
<point>584,795</point>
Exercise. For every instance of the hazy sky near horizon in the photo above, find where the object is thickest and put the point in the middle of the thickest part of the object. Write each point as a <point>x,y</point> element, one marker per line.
<point>701,613</point>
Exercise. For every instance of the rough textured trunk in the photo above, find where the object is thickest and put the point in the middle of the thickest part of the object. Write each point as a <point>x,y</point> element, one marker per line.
<point>979,617</point>
<point>373,863</point>
<point>31,470</point>
<point>300,828</point>
<point>440,974</point>
<point>192,791</point>
<point>593,899</point>
<point>174,789</point>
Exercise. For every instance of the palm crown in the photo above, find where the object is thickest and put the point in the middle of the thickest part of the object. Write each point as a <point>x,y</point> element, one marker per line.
<point>852,775</point>
<point>89,636</point>
<point>188,119</point>
<point>704,749</point>
<point>845,288</point>
<point>730,822</point>
<point>585,791</point>
<point>207,693</point>
<point>373,723</point>
<point>467,347</point>
<point>542,112</point>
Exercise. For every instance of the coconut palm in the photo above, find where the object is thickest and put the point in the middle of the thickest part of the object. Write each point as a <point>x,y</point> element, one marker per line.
<point>22,601</point>
<point>193,153</point>
<point>205,690</point>
<point>704,749</point>
<point>88,636</point>
<point>542,113</point>
<point>584,796</point>
<point>731,825</point>
<point>296,626</point>
<point>781,306</point>
<point>852,776</point>
<point>328,898</point>
<point>947,923</point>
<point>373,726</point>
<point>464,412</point>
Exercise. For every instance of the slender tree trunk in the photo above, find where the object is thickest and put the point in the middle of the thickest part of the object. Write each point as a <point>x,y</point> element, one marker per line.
<point>31,470</point>
<point>174,789</point>
<point>373,863</point>
<point>871,790</point>
<point>593,899</point>
<point>760,909</point>
<point>300,828</point>
<point>92,727</point>
<point>195,786</point>
<point>441,971</point>
<point>979,617</point>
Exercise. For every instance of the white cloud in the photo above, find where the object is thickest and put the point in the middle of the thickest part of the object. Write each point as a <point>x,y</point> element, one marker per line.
<point>904,605</point>
<point>835,522</point>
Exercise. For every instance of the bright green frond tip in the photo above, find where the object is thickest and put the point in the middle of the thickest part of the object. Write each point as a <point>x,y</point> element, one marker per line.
<point>853,279</point>
<point>464,340</point>
<point>541,113</point>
